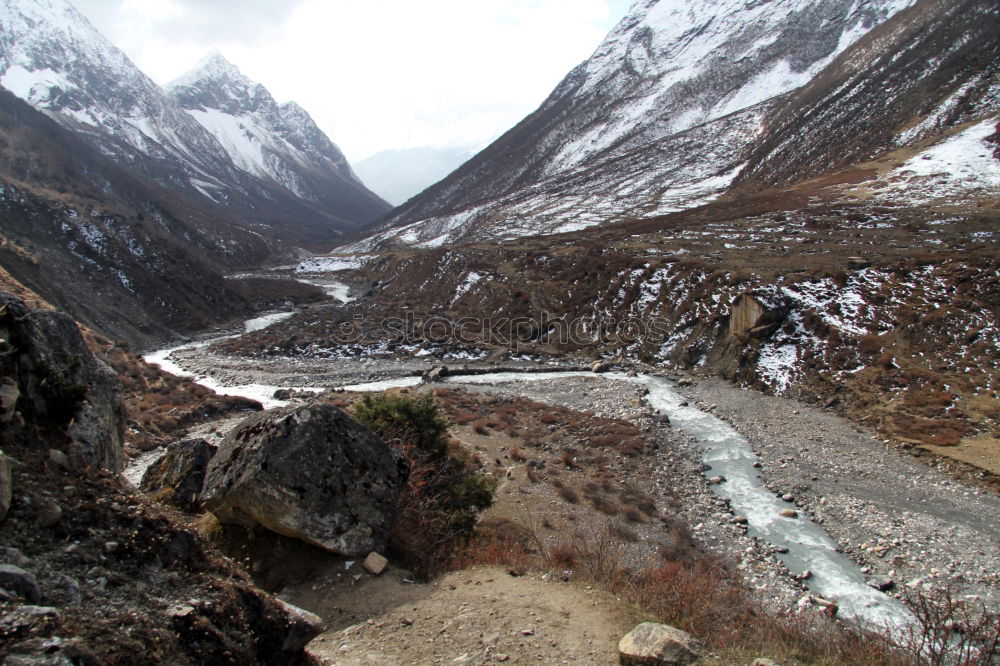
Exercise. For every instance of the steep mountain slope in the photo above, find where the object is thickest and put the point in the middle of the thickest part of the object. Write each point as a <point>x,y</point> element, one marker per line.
<point>669,66</point>
<point>933,69</point>
<point>120,254</point>
<point>53,58</point>
<point>397,175</point>
<point>280,144</point>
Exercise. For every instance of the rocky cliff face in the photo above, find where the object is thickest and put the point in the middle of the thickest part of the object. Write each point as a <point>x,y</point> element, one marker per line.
<point>56,390</point>
<point>92,573</point>
<point>668,68</point>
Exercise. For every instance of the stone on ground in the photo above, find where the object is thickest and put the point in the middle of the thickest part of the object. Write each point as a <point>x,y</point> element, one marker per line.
<point>652,644</point>
<point>310,473</point>
<point>375,564</point>
<point>17,580</point>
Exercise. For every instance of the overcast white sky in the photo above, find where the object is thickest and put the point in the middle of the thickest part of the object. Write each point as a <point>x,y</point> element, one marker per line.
<point>375,74</point>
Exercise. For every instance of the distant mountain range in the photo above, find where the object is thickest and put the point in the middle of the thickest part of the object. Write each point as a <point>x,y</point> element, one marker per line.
<point>398,175</point>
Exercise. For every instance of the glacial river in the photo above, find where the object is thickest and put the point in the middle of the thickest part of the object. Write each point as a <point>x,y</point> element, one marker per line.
<point>729,454</point>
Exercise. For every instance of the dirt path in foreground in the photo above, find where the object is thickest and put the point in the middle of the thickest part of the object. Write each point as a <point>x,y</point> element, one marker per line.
<point>478,616</point>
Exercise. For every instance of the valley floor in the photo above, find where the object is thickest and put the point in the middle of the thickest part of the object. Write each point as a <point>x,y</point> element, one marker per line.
<point>896,517</point>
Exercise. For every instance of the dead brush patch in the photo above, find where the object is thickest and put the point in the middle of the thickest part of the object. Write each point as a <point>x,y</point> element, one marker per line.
<point>701,596</point>
<point>568,494</point>
<point>518,455</point>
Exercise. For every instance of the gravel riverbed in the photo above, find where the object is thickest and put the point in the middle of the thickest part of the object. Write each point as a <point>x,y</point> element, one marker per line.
<point>899,519</point>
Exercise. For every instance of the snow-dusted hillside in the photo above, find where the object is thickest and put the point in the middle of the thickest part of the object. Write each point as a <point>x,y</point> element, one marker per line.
<point>670,66</point>
<point>53,58</point>
<point>277,143</point>
<point>935,68</point>
<point>668,175</point>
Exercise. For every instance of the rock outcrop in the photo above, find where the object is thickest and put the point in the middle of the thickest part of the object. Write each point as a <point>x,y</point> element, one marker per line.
<point>310,473</point>
<point>6,485</point>
<point>60,386</point>
<point>758,312</point>
<point>178,477</point>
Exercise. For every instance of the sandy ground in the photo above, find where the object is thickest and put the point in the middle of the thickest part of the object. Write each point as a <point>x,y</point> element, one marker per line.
<point>477,616</point>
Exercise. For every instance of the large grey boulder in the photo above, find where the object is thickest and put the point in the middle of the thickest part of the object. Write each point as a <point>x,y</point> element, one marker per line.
<point>177,478</point>
<point>57,384</point>
<point>652,644</point>
<point>308,472</point>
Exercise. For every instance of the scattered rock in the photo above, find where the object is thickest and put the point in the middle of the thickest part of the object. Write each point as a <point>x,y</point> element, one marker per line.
<point>600,366</point>
<point>716,480</point>
<point>436,374</point>
<point>827,605</point>
<point>178,477</point>
<point>9,393</point>
<point>788,513</point>
<point>282,394</point>
<point>657,644</point>
<point>375,564</point>
<point>58,460</point>
<point>303,626</point>
<point>882,584</point>
<point>15,557</point>
<point>740,520</point>
<point>311,473</point>
<point>25,617</point>
<point>53,651</point>
<point>17,580</point>
<point>48,513</point>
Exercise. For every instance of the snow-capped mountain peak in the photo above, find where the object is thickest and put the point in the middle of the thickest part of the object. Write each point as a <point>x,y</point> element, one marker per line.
<point>278,143</point>
<point>216,83</point>
<point>236,157</point>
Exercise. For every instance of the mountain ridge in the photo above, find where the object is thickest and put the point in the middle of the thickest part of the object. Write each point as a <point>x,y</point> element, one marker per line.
<point>51,56</point>
<point>666,68</point>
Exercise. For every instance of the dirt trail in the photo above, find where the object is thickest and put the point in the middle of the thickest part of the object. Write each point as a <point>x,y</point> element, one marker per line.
<point>478,616</point>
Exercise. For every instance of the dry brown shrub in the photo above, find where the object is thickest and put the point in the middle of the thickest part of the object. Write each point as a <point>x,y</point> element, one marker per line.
<point>603,504</point>
<point>568,494</point>
<point>633,514</point>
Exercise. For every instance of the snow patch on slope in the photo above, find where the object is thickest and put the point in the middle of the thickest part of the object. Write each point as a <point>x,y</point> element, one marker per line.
<point>959,166</point>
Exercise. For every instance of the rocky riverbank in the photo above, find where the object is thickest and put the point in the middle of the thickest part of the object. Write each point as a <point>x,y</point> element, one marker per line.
<point>902,521</point>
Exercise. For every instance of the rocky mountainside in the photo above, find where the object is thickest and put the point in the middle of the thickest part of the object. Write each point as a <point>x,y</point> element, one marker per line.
<point>398,175</point>
<point>934,69</point>
<point>668,69</point>
<point>54,59</point>
<point>845,255</point>
<point>121,254</point>
<point>276,143</point>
